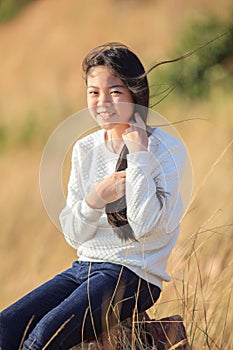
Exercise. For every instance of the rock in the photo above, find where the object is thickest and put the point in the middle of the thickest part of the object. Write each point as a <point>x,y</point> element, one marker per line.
<point>142,333</point>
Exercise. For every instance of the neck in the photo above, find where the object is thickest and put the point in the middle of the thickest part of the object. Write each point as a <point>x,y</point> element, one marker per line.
<point>114,141</point>
<point>116,132</point>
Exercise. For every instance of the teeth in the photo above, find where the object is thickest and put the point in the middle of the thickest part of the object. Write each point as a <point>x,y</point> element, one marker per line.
<point>105,114</point>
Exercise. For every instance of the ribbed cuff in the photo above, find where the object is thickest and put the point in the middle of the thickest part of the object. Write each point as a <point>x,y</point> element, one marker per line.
<point>90,213</point>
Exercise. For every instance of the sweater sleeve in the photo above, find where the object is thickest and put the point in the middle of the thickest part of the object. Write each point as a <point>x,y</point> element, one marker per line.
<point>78,220</point>
<point>153,189</point>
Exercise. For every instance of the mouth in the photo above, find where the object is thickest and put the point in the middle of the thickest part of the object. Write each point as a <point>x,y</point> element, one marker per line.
<point>105,116</point>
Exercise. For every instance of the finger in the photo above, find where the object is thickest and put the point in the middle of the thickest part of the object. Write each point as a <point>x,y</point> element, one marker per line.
<point>120,190</point>
<point>129,130</point>
<point>121,182</point>
<point>121,174</point>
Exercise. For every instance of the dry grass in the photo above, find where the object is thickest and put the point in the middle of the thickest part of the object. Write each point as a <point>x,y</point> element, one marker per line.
<point>201,264</point>
<point>40,75</point>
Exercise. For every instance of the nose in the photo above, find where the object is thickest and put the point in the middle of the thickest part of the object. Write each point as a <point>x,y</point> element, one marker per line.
<point>104,100</point>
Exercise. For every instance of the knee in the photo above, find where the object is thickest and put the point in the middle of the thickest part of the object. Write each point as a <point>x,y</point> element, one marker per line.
<point>6,318</point>
<point>11,332</point>
<point>8,323</point>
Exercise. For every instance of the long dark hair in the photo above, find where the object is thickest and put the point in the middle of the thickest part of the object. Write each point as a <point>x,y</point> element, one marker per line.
<point>130,70</point>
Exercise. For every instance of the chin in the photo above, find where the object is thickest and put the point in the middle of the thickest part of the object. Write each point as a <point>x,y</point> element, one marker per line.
<point>108,126</point>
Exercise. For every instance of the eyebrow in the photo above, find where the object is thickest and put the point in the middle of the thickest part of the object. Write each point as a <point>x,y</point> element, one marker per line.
<point>110,86</point>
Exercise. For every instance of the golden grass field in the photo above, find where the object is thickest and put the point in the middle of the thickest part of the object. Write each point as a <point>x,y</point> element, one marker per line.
<point>40,58</point>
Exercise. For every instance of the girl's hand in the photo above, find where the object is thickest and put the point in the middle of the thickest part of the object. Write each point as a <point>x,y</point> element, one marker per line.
<point>135,137</point>
<point>108,190</point>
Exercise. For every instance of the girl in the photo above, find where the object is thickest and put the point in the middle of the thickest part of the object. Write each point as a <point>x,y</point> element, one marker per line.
<point>122,215</point>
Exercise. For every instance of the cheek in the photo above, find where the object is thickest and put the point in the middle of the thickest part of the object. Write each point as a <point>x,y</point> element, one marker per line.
<point>90,101</point>
<point>125,110</point>
<point>91,105</point>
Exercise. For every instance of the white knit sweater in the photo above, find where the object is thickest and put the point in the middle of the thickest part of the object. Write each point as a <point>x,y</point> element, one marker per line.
<point>155,226</point>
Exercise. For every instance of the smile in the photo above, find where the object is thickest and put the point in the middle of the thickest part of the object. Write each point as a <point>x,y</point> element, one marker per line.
<point>106,115</point>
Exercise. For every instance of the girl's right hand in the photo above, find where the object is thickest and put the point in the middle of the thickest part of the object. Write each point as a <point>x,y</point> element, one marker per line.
<point>108,190</point>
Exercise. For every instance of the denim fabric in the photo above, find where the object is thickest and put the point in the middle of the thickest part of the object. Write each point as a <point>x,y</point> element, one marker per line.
<point>75,305</point>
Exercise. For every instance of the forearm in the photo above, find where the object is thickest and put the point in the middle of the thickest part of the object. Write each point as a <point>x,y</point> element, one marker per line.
<point>79,223</point>
<point>144,208</point>
<point>152,191</point>
<point>95,201</point>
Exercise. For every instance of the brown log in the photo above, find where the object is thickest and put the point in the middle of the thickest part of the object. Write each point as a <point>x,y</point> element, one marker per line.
<point>142,333</point>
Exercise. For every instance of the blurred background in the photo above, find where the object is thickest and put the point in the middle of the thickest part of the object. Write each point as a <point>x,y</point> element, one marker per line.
<point>42,44</point>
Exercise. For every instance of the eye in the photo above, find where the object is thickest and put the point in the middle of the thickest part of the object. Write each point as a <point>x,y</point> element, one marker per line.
<point>116,92</point>
<point>92,92</point>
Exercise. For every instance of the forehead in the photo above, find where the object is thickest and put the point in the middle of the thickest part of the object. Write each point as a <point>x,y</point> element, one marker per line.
<point>102,74</point>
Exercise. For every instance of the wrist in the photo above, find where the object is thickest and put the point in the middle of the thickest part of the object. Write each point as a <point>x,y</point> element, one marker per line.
<point>94,201</point>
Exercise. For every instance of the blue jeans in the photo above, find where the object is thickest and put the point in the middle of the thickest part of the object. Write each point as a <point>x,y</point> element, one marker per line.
<point>74,306</point>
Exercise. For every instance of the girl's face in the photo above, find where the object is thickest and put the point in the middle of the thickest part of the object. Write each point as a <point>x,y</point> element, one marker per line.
<point>108,99</point>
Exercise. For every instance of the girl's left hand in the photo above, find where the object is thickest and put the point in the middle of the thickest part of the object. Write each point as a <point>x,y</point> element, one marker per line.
<point>135,137</point>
